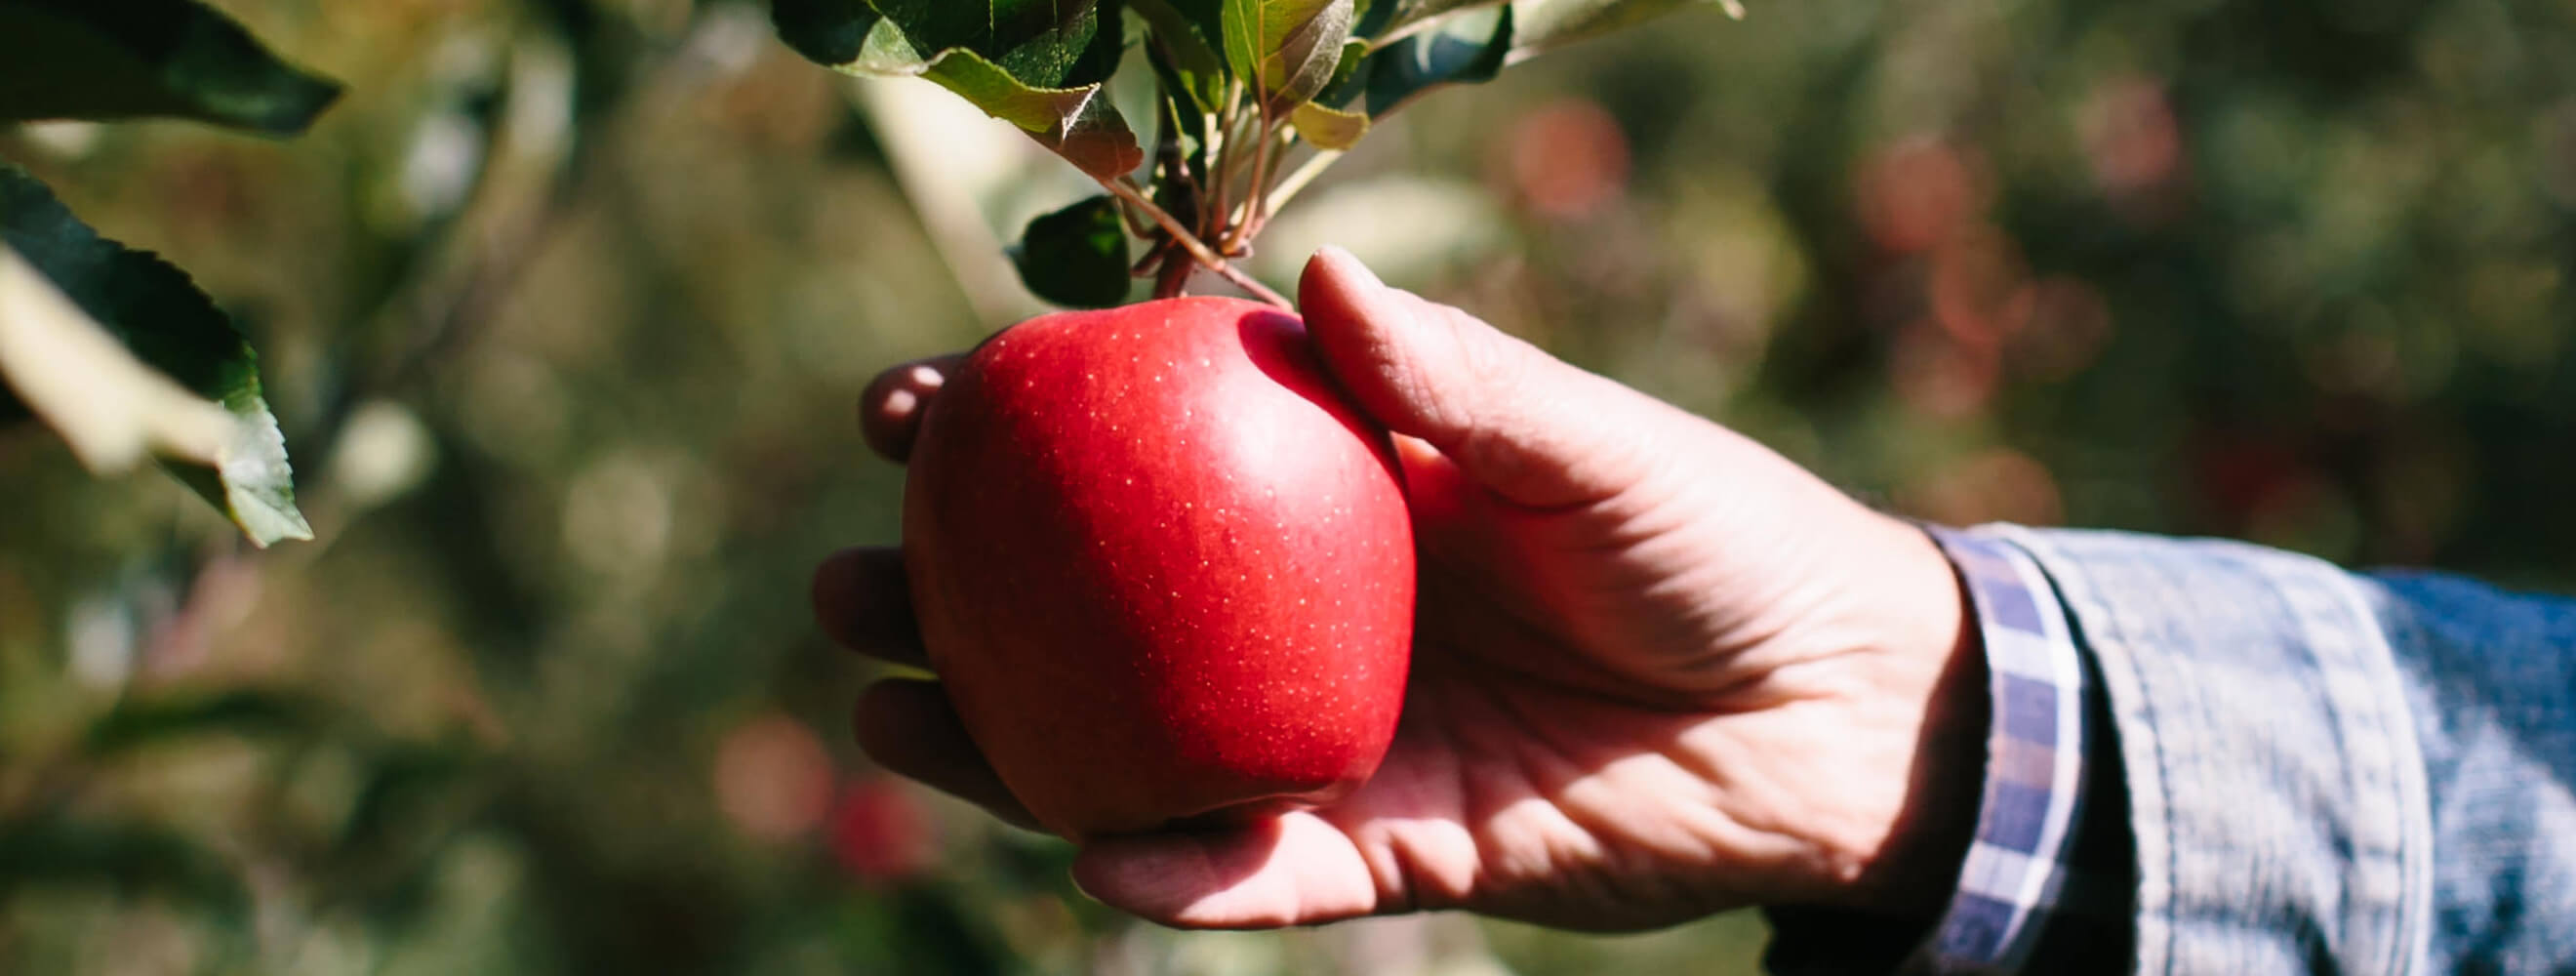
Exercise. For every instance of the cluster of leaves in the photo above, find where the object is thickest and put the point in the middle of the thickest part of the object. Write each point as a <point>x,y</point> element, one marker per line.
<point>1239,85</point>
<point>112,347</point>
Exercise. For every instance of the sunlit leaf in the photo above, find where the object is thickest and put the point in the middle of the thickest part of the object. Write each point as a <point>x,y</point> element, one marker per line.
<point>1329,128</point>
<point>111,59</point>
<point>1465,49</point>
<point>1037,64</point>
<point>1077,256</point>
<point>1288,49</point>
<point>1393,18</point>
<point>121,354</point>
<point>113,410</point>
<point>1547,24</point>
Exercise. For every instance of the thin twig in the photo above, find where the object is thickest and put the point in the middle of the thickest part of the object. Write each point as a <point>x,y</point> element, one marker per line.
<point>1253,285</point>
<point>1262,154</point>
<point>1221,160</point>
<point>1257,210</point>
<point>1126,189</point>
<point>1135,225</point>
<point>1296,182</point>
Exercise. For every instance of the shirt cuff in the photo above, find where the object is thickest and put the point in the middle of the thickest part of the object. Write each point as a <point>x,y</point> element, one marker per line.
<point>2045,885</point>
<point>2048,881</point>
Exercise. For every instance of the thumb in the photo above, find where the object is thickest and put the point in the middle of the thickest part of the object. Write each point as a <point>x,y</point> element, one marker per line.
<point>1521,423</point>
<point>1292,870</point>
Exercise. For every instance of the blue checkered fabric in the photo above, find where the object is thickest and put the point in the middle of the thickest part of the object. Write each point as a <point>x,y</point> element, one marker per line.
<point>2045,888</point>
<point>2049,879</point>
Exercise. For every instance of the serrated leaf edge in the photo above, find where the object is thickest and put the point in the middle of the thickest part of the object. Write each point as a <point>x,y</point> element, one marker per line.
<point>1088,108</point>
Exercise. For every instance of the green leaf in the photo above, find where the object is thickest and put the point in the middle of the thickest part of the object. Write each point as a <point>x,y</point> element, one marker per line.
<point>1037,64</point>
<point>403,783</point>
<point>113,59</point>
<point>1182,114</point>
<point>1079,124</point>
<point>1196,68</point>
<point>1287,49</point>
<point>1465,49</point>
<point>135,723</point>
<point>134,857</point>
<point>1077,256</point>
<point>1394,16</point>
<point>120,352</point>
<point>1348,81</point>
<point>1329,128</point>
<point>1549,24</point>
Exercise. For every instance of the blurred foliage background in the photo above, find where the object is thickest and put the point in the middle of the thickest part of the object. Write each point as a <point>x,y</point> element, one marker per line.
<point>565,307</point>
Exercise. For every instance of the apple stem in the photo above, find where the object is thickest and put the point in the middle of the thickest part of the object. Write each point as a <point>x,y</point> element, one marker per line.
<point>1125,188</point>
<point>1253,285</point>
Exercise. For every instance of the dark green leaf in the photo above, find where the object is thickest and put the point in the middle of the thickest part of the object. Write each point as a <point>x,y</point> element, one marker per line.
<point>1206,15</point>
<point>161,317</point>
<point>1180,113</point>
<point>401,784</point>
<point>1077,256</point>
<point>1348,81</point>
<point>136,858</point>
<point>135,723</point>
<point>1465,49</point>
<point>1373,19</point>
<point>111,59</point>
<point>1037,64</point>
<point>1195,67</point>
<point>1287,49</point>
<point>1185,128</point>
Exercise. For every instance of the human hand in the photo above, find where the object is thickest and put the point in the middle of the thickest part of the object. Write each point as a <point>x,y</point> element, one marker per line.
<point>1658,670</point>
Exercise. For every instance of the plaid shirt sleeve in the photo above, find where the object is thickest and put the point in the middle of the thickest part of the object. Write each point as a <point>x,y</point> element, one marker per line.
<point>2046,887</point>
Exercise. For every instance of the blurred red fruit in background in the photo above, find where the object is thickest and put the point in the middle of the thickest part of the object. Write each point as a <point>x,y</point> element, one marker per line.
<point>1568,159</point>
<point>773,778</point>
<point>880,833</point>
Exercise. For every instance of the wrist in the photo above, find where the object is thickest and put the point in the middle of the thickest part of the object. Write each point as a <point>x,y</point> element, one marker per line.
<point>1915,867</point>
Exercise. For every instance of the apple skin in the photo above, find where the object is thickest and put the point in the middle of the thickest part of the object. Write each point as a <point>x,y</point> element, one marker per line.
<point>1162,565</point>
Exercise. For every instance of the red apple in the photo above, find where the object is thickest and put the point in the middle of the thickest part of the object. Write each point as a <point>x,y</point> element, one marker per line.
<point>1162,565</point>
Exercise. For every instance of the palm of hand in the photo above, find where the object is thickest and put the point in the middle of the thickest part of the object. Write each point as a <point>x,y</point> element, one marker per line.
<point>1593,737</point>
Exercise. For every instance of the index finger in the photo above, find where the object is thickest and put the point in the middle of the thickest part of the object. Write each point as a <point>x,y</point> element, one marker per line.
<point>890,408</point>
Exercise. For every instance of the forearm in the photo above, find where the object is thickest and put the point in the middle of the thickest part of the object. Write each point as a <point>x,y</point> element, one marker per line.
<point>2491,680</point>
